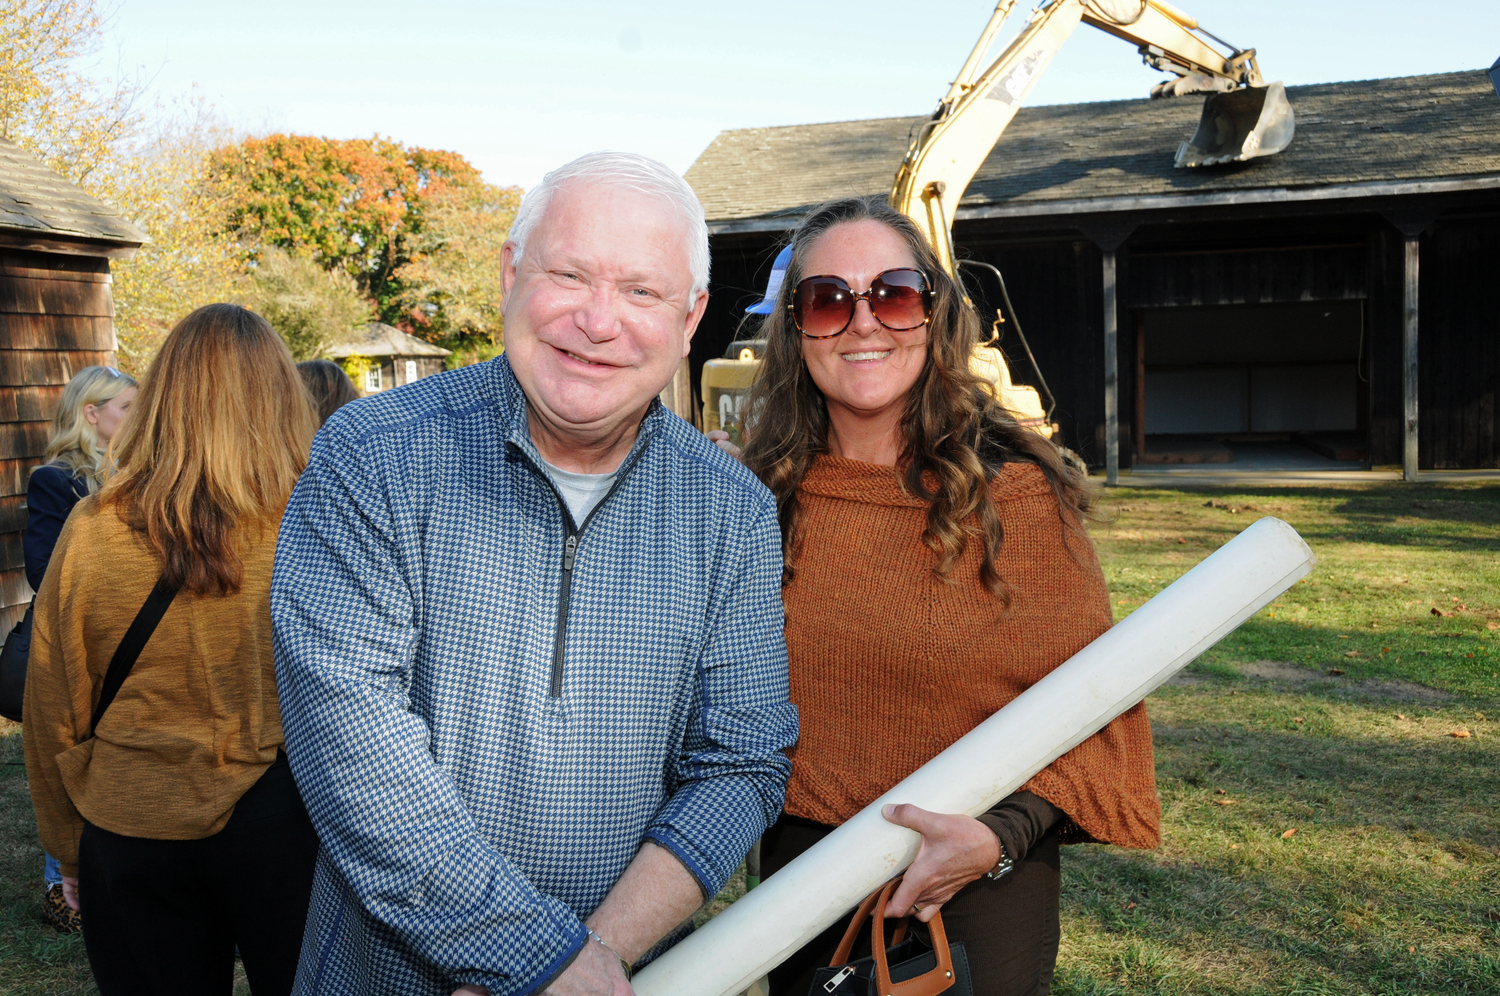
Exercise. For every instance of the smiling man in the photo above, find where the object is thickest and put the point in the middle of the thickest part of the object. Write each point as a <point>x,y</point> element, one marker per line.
<point>529,630</point>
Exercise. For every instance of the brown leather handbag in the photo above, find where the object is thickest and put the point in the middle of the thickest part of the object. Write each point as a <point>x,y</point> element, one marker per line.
<point>907,967</point>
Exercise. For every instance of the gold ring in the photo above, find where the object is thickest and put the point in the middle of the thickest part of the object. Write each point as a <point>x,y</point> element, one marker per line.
<point>916,908</point>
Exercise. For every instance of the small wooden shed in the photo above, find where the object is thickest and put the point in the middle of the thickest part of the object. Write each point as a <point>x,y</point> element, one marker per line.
<point>56,317</point>
<point>398,358</point>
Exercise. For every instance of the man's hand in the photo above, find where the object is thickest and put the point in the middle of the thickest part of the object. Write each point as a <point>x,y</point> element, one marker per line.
<point>721,438</point>
<point>70,892</point>
<point>956,850</point>
<point>595,972</point>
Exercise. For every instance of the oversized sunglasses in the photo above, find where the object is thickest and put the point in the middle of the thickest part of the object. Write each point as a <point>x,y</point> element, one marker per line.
<point>823,306</point>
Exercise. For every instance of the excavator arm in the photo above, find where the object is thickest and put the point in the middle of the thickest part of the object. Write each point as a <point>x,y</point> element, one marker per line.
<point>1243,119</point>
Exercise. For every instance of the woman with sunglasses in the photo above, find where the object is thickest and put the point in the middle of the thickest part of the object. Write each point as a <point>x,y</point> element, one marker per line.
<point>936,567</point>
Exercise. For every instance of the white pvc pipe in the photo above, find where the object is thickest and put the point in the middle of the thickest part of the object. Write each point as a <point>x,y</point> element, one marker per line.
<point>993,760</point>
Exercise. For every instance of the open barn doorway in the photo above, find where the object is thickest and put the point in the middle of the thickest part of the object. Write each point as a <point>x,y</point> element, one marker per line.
<point>1265,387</point>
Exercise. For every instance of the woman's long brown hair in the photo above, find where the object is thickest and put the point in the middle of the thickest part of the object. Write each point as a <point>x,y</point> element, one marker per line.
<point>957,437</point>
<point>214,443</point>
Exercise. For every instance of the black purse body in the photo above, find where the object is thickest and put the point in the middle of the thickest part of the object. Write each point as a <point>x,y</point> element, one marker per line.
<point>906,967</point>
<point>13,658</point>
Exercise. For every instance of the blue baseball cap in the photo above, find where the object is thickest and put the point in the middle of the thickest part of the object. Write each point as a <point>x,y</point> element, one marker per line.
<point>767,304</point>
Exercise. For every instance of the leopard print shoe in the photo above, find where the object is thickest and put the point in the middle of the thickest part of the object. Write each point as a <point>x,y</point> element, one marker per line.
<point>58,914</point>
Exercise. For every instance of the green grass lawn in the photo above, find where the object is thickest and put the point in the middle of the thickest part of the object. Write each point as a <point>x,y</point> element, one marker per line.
<point>1329,714</point>
<point>1323,830</point>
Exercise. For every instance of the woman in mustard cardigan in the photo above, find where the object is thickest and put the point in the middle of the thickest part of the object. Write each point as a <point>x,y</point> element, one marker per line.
<point>936,567</point>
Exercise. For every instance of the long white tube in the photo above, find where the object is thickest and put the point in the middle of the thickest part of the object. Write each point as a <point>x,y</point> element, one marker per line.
<point>993,760</point>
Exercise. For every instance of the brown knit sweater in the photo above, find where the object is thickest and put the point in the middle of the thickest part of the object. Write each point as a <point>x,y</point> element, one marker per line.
<point>193,727</point>
<point>889,665</point>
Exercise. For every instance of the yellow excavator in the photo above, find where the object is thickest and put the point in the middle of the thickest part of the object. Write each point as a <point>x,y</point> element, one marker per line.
<point>1243,117</point>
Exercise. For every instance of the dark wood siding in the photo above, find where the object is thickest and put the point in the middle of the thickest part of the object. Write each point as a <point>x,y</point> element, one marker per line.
<point>1459,359</point>
<point>56,317</point>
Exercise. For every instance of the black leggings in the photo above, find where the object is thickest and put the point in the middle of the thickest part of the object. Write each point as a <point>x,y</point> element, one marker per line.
<point>1008,926</point>
<point>164,917</point>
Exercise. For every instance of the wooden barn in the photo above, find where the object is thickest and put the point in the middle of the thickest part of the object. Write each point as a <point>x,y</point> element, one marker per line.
<point>1326,303</point>
<point>56,317</point>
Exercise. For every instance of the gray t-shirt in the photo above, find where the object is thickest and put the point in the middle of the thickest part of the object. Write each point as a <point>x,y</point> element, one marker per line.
<point>581,491</point>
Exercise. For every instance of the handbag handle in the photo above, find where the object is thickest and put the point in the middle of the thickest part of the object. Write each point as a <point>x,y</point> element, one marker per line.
<point>930,984</point>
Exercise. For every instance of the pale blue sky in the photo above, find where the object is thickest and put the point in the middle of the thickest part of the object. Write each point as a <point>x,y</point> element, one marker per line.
<point>520,87</point>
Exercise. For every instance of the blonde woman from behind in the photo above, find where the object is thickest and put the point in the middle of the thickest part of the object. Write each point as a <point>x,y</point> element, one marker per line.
<point>172,810</point>
<point>91,409</point>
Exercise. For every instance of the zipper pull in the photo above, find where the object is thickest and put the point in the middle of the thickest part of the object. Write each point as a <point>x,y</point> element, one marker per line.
<point>570,551</point>
<point>838,980</point>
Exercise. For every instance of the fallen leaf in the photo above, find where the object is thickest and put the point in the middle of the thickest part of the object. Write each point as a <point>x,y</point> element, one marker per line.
<point>1385,650</point>
<point>1351,653</point>
<point>1492,625</point>
<point>1412,949</point>
<point>1439,612</point>
<point>1130,906</point>
<point>1299,719</point>
<point>1400,715</point>
<point>1182,541</point>
<point>1288,833</point>
<point>1234,847</point>
<point>1461,734</point>
<point>1492,916</point>
<point>1343,636</point>
<point>1220,792</point>
<point>1453,597</point>
<point>1336,671</point>
<point>1225,802</point>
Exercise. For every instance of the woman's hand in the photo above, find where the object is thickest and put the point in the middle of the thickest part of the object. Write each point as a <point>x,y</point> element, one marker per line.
<point>956,850</point>
<point>70,892</point>
<point>721,438</point>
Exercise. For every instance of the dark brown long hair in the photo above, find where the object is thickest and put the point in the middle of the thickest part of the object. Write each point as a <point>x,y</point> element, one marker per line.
<point>330,388</point>
<point>214,443</point>
<point>957,437</point>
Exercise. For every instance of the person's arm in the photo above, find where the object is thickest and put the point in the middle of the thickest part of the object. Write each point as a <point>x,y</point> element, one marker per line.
<point>732,771</point>
<point>57,705</point>
<point>345,597</point>
<point>50,496</point>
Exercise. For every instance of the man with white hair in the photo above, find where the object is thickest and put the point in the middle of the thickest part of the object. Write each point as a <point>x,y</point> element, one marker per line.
<point>528,630</point>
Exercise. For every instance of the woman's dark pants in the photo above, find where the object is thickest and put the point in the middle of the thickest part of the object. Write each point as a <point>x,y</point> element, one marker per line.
<point>163,917</point>
<point>1008,926</point>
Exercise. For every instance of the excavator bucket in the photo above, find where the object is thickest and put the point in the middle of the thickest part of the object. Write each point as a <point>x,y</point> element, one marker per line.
<point>1238,125</point>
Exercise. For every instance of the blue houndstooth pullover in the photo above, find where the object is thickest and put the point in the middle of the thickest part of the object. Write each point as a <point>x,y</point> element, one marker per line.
<point>488,708</point>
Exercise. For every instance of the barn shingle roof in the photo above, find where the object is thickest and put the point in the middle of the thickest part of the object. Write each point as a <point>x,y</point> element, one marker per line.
<point>37,202</point>
<point>1064,157</point>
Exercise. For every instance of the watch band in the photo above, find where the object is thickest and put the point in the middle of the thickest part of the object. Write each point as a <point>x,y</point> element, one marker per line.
<point>1005,866</point>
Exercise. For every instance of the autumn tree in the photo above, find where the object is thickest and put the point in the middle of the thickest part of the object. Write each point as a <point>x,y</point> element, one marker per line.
<point>355,205</point>
<point>309,306</point>
<point>53,101</point>
<point>450,287</point>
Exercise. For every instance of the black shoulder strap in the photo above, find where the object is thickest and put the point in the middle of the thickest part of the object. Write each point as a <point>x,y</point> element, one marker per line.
<point>131,646</point>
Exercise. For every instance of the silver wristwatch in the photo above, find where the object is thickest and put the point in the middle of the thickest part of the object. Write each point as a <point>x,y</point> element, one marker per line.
<point>1005,866</point>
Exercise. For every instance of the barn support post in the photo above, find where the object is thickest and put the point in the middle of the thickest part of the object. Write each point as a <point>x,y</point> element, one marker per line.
<point>1409,328</point>
<point>1111,375</point>
<point>1412,220</point>
<point>1109,234</point>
